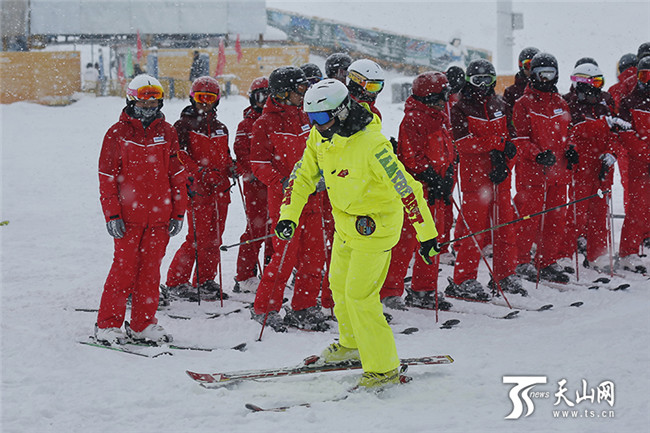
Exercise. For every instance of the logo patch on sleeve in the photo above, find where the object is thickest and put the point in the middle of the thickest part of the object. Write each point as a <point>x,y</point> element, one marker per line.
<point>365,225</point>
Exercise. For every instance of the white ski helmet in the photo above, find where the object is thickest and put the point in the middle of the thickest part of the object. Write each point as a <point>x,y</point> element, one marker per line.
<point>368,69</point>
<point>144,87</point>
<point>326,100</point>
<point>588,73</point>
<point>365,80</point>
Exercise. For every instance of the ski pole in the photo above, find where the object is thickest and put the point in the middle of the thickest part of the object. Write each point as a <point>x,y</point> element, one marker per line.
<point>275,285</point>
<point>599,194</point>
<point>219,233</point>
<point>538,252</point>
<point>574,237</point>
<point>480,251</point>
<point>196,244</point>
<point>250,241</point>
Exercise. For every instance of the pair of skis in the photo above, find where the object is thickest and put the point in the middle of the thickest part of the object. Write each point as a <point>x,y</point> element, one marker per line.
<point>136,348</point>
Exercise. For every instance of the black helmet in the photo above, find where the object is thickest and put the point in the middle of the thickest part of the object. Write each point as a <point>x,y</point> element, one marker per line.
<point>627,61</point>
<point>456,77</point>
<point>544,72</point>
<point>526,54</point>
<point>312,72</point>
<point>481,73</point>
<point>336,62</point>
<point>286,79</point>
<point>583,60</point>
<point>644,50</point>
<point>643,65</point>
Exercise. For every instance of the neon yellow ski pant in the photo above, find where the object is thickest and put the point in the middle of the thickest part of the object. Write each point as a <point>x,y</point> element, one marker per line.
<point>355,279</point>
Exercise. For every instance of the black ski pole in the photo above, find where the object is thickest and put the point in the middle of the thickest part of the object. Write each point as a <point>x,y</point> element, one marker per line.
<point>599,194</point>
<point>250,241</point>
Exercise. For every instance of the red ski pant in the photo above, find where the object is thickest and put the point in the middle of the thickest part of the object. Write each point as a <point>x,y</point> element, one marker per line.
<point>356,278</point>
<point>306,253</point>
<point>136,271</point>
<point>257,226</point>
<point>623,164</point>
<point>547,230</point>
<point>425,277</point>
<point>479,210</point>
<point>206,216</point>
<point>590,215</point>
<point>636,226</point>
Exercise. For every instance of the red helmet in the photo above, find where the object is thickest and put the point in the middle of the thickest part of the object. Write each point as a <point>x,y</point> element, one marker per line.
<point>259,83</point>
<point>430,82</point>
<point>205,84</point>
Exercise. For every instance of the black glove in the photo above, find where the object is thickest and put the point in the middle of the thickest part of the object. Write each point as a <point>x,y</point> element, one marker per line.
<point>510,149</point>
<point>500,169</point>
<point>116,228</point>
<point>190,187</point>
<point>393,142</point>
<point>429,249</point>
<point>546,158</point>
<point>284,229</point>
<point>434,184</point>
<point>285,183</point>
<point>175,227</point>
<point>571,156</point>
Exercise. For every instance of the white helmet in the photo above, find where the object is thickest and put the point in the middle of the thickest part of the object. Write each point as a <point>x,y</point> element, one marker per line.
<point>588,73</point>
<point>144,87</point>
<point>326,100</point>
<point>368,69</point>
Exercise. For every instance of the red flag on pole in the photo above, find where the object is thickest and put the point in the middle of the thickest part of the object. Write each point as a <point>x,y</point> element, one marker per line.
<point>140,52</point>
<point>221,59</point>
<point>238,49</point>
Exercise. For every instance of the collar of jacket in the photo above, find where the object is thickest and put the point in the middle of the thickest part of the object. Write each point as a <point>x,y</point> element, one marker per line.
<point>358,119</point>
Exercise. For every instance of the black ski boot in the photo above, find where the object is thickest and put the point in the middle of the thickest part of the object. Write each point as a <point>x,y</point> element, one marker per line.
<point>468,289</point>
<point>426,300</point>
<point>554,273</point>
<point>273,320</point>
<point>210,290</point>
<point>309,319</point>
<point>509,284</point>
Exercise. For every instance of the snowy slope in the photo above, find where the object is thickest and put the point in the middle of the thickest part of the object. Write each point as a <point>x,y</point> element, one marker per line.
<point>56,254</point>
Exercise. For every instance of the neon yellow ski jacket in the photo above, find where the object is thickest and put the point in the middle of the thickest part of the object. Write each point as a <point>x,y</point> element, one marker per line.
<point>367,185</point>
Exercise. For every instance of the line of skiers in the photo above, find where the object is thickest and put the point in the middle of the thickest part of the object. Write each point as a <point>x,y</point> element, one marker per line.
<point>456,135</point>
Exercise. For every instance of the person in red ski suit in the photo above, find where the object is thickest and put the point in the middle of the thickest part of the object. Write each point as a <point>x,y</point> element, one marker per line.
<point>427,152</point>
<point>480,131</point>
<point>592,137</point>
<point>626,83</point>
<point>257,211</point>
<point>635,108</point>
<point>278,142</point>
<point>522,78</point>
<point>143,198</point>
<point>365,82</point>
<point>541,118</point>
<point>204,151</point>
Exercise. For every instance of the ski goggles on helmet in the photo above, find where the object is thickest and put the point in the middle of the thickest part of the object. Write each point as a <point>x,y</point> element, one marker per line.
<point>482,80</point>
<point>433,98</point>
<point>150,91</point>
<point>644,76</point>
<point>320,118</point>
<point>205,97</point>
<point>260,95</point>
<point>547,73</point>
<point>525,64</point>
<point>597,82</point>
<point>372,86</point>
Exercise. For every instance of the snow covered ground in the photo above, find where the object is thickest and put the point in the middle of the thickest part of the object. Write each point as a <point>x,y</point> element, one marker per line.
<point>56,254</point>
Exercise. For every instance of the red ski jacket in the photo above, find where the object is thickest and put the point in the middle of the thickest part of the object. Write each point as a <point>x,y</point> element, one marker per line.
<point>278,142</point>
<point>626,83</point>
<point>635,108</point>
<point>541,120</point>
<point>478,126</point>
<point>141,179</point>
<point>242,145</point>
<point>204,149</point>
<point>424,139</point>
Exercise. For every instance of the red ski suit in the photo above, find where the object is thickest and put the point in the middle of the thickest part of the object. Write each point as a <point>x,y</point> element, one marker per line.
<point>204,151</point>
<point>626,84</point>
<point>278,142</point>
<point>141,181</point>
<point>424,141</point>
<point>592,138</point>
<point>479,125</point>
<point>635,108</point>
<point>541,120</point>
<point>257,210</point>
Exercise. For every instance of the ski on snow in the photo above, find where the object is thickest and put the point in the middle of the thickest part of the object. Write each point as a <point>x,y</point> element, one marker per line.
<point>309,365</point>
<point>131,347</point>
